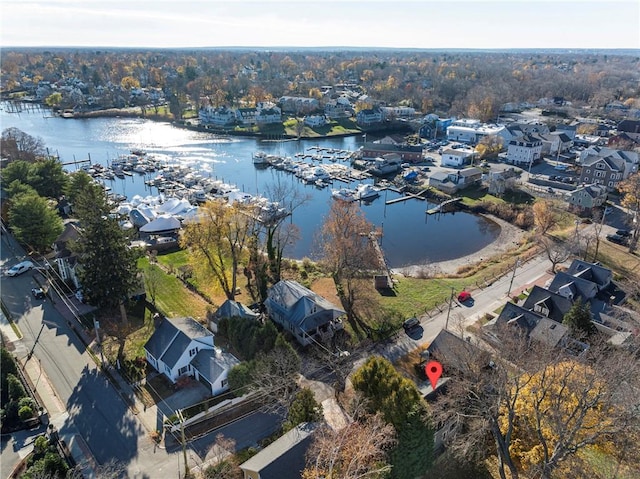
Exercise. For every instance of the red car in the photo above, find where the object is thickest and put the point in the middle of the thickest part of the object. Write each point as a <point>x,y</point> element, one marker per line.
<point>464,296</point>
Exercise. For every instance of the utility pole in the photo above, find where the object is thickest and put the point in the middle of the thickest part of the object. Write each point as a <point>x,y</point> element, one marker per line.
<point>515,266</point>
<point>446,324</point>
<point>33,347</point>
<point>184,442</point>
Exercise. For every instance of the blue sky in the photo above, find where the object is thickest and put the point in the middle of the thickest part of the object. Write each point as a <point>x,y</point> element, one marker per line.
<point>306,23</point>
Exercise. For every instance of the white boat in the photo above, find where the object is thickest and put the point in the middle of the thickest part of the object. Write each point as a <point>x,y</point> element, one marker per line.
<point>316,173</point>
<point>365,191</point>
<point>260,158</point>
<point>344,194</point>
<point>271,212</point>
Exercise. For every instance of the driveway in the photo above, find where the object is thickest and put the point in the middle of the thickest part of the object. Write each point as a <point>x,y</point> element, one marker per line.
<point>189,395</point>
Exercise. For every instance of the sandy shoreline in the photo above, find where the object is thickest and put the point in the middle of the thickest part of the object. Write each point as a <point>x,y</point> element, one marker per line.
<point>508,238</point>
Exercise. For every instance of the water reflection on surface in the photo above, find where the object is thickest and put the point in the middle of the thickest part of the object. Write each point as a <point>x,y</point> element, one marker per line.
<point>409,235</point>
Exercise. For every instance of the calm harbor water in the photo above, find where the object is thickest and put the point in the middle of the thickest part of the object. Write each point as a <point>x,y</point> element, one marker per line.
<point>409,235</point>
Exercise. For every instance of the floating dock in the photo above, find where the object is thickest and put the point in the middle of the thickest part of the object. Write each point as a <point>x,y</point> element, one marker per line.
<point>407,196</point>
<point>438,208</point>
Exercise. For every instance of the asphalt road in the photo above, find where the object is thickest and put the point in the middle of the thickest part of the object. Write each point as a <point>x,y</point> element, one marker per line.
<point>94,409</point>
<point>89,404</point>
<point>462,315</point>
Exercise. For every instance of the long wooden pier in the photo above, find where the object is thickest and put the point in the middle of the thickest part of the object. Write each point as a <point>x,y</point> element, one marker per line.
<point>438,208</point>
<point>373,237</point>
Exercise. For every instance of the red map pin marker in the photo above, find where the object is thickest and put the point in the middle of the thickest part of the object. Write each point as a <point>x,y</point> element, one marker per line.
<point>433,370</point>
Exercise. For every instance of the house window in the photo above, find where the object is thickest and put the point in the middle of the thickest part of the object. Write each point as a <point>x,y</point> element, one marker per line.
<point>224,383</point>
<point>588,171</point>
<point>193,352</point>
<point>600,166</point>
<point>183,370</point>
<point>542,309</point>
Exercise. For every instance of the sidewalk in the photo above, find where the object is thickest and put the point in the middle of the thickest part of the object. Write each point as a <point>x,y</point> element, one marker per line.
<point>146,415</point>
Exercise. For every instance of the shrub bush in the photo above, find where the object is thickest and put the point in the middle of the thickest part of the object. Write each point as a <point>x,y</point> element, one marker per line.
<point>25,412</point>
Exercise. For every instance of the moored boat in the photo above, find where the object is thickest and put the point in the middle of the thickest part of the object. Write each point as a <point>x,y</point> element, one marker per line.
<point>343,194</point>
<point>365,191</point>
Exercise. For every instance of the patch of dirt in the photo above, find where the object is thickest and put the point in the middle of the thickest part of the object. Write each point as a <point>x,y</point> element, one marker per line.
<point>326,288</point>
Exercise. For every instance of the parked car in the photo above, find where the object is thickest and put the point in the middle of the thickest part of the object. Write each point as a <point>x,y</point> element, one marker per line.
<point>615,238</point>
<point>624,233</point>
<point>18,269</point>
<point>411,323</point>
<point>464,296</point>
<point>38,293</point>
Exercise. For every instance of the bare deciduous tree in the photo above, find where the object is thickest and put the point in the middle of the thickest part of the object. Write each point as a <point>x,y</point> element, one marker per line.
<point>356,451</point>
<point>557,251</point>
<point>538,405</point>
<point>348,248</point>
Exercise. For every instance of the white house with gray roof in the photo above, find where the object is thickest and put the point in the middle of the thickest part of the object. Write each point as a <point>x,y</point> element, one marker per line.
<point>183,347</point>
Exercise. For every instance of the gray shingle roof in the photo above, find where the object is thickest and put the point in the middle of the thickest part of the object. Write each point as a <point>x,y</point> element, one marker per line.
<point>557,305</point>
<point>285,457</point>
<point>305,309</point>
<point>172,336</point>
<point>591,272</point>
<point>579,286</point>
<point>212,363</point>
<point>178,346</point>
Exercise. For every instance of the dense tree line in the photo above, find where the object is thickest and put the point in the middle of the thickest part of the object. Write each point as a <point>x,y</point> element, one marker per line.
<point>456,83</point>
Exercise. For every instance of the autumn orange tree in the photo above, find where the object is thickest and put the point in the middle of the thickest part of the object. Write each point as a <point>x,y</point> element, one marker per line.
<point>217,239</point>
<point>536,407</point>
<point>630,190</point>
<point>569,405</point>
<point>544,216</point>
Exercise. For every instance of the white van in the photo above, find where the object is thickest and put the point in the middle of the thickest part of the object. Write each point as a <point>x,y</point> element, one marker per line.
<point>18,269</point>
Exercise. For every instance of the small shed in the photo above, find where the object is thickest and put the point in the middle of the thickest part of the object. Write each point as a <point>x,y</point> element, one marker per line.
<point>382,281</point>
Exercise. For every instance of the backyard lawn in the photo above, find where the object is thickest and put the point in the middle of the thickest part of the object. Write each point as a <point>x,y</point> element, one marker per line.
<point>173,299</point>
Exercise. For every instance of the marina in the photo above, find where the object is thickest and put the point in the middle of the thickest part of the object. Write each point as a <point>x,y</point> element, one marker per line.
<point>192,165</point>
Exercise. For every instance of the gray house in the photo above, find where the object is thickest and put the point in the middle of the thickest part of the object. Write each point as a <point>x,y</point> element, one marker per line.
<point>587,197</point>
<point>284,458</point>
<point>307,315</point>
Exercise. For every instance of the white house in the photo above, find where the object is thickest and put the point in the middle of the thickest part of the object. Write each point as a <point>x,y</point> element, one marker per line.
<point>182,346</point>
<point>471,131</point>
<point>65,259</point>
<point>216,116</point>
<point>524,150</point>
<point>338,108</point>
<point>246,116</point>
<point>456,157</point>
<point>268,115</point>
<point>369,116</point>
<point>315,121</point>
